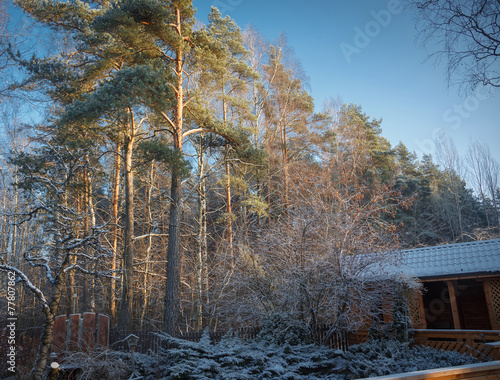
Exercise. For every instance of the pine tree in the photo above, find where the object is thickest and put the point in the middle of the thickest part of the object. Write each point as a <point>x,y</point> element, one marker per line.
<point>224,70</point>
<point>288,109</point>
<point>167,36</point>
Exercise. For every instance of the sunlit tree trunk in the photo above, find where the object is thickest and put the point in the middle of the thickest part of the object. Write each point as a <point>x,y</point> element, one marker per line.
<point>126,308</point>
<point>201,262</point>
<point>114,228</point>
<point>72,288</point>
<point>88,294</point>
<point>229,207</point>
<point>172,296</point>
<point>147,258</point>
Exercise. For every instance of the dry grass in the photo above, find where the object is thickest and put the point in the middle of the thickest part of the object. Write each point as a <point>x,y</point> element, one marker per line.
<point>98,365</point>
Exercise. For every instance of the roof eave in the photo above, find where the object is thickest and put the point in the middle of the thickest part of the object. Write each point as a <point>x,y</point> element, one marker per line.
<point>459,276</point>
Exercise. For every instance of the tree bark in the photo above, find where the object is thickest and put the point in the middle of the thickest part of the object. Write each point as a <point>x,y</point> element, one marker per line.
<point>126,311</point>
<point>48,331</point>
<point>201,270</point>
<point>72,296</point>
<point>229,211</point>
<point>149,213</point>
<point>114,229</point>
<point>229,207</point>
<point>172,292</point>
<point>86,299</point>
<point>172,296</point>
<point>91,212</point>
<point>44,348</point>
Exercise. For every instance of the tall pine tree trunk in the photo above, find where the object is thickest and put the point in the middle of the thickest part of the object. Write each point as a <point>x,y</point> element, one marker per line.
<point>201,264</point>
<point>172,296</point>
<point>172,292</point>
<point>149,213</point>
<point>229,207</point>
<point>114,229</point>
<point>85,293</point>
<point>126,310</point>
<point>91,211</point>
<point>72,288</point>
<point>229,211</point>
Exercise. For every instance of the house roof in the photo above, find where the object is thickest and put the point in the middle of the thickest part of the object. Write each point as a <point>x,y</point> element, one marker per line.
<point>452,260</point>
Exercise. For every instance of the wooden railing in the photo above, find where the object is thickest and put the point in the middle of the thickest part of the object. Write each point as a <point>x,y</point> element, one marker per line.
<point>482,371</point>
<point>471,342</point>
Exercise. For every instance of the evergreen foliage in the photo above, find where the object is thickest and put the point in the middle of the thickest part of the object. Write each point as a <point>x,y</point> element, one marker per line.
<point>233,358</point>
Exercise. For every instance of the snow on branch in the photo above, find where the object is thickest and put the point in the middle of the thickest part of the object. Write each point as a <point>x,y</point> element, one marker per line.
<point>26,281</point>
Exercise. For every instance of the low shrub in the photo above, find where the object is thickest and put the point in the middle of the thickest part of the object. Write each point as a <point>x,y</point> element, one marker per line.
<point>264,358</point>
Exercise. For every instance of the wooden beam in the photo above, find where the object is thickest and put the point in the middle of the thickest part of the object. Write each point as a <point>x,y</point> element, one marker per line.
<point>423,319</point>
<point>454,305</point>
<point>74,332</point>
<point>470,276</point>
<point>59,339</point>
<point>489,302</point>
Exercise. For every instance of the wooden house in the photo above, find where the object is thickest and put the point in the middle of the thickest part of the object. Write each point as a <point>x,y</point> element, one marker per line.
<point>461,285</point>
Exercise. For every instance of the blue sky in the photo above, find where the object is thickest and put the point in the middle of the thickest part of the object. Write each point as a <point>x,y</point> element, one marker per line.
<point>385,71</point>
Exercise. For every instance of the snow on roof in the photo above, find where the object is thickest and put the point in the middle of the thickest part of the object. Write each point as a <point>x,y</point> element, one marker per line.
<point>479,257</point>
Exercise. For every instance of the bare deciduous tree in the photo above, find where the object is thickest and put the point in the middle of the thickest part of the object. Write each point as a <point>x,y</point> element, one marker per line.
<point>466,34</point>
<point>49,180</point>
<point>324,261</point>
<point>484,173</point>
<point>449,159</point>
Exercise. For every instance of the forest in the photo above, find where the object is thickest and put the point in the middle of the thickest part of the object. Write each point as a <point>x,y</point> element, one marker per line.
<point>178,176</point>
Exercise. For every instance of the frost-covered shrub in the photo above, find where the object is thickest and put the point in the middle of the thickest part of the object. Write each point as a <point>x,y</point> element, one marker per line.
<point>385,357</point>
<point>401,325</point>
<point>282,329</point>
<point>233,358</point>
